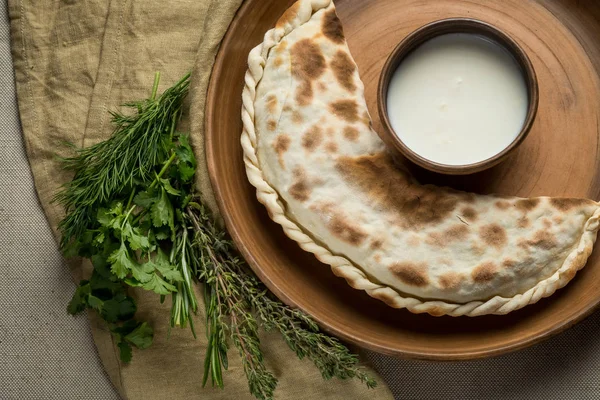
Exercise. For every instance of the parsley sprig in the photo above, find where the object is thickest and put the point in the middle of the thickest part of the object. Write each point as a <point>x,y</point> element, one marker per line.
<point>131,208</point>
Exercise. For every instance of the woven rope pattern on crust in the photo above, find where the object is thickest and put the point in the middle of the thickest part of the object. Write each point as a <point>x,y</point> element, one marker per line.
<point>341,266</point>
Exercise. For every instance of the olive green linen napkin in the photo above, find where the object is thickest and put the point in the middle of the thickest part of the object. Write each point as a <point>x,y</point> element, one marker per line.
<point>74,61</point>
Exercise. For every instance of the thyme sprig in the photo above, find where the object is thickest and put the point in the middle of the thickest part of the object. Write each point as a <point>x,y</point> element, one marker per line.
<point>234,290</point>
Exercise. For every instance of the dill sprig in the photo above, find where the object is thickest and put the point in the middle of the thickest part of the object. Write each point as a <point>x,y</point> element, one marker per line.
<point>104,170</point>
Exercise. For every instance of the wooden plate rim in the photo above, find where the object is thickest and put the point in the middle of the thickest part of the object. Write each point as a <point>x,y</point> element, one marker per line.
<point>515,345</point>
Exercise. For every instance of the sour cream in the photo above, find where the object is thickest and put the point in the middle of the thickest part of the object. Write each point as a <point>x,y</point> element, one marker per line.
<point>458,99</point>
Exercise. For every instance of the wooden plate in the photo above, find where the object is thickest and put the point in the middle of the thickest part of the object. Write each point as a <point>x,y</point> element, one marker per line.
<point>559,158</point>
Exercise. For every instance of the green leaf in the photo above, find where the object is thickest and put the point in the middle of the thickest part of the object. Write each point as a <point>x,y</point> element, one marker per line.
<point>161,235</point>
<point>119,308</point>
<point>100,282</point>
<point>117,209</point>
<point>145,199</point>
<point>104,217</point>
<point>145,223</point>
<point>172,275</point>
<point>125,351</point>
<point>186,172</point>
<point>79,300</point>
<point>141,337</point>
<point>101,265</point>
<point>143,272</point>
<point>95,302</point>
<point>87,238</point>
<point>162,211</point>
<point>184,151</point>
<point>167,270</point>
<point>170,189</point>
<point>121,263</point>
<point>159,285</point>
<point>135,238</point>
<point>161,258</point>
<point>99,238</point>
<point>132,282</point>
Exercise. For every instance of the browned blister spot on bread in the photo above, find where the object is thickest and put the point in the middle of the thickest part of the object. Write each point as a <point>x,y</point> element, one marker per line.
<point>523,222</point>
<point>376,244</point>
<point>485,272</point>
<point>304,93</point>
<point>340,225</point>
<point>281,145</point>
<point>567,204</point>
<point>308,64</point>
<point>331,147</point>
<point>345,109</point>
<point>502,205</point>
<point>493,235</point>
<point>544,240</point>
<point>271,125</point>
<point>527,204</point>
<point>288,15</point>
<point>351,133</point>
<point>366,119</point>
<point>332,27</point>
<point>297,117</point>
<point>272,103</point>
<point>470,214</point>
<point>411,274</point>
<point>509,263</point>
<point>455,233</point>
<point>301,188</point>
<point>392,189</point>
<point>344,229</point>
<point>450,280</point>
<point>343,69</point>
<point>312,138</point>
<point>278,61</point>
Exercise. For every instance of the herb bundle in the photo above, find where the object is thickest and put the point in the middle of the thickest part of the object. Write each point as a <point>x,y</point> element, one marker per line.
<point>132,210</point>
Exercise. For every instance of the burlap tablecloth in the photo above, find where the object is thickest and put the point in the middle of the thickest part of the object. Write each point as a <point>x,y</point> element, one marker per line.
<point>75,60</point>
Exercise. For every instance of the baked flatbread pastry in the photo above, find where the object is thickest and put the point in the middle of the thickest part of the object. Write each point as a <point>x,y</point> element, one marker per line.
<point>325,176</point>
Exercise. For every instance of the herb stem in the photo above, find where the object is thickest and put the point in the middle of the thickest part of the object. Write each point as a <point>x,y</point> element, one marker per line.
<point>130,199</point>
<point>155,86</point>
<point>173,125</point>
<point>163,170</point>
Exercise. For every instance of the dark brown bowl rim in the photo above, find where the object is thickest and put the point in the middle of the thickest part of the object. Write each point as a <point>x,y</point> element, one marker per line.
<point>438,28</point>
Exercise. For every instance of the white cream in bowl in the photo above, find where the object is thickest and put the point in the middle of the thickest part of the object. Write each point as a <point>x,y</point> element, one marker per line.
<point>458,99</point>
